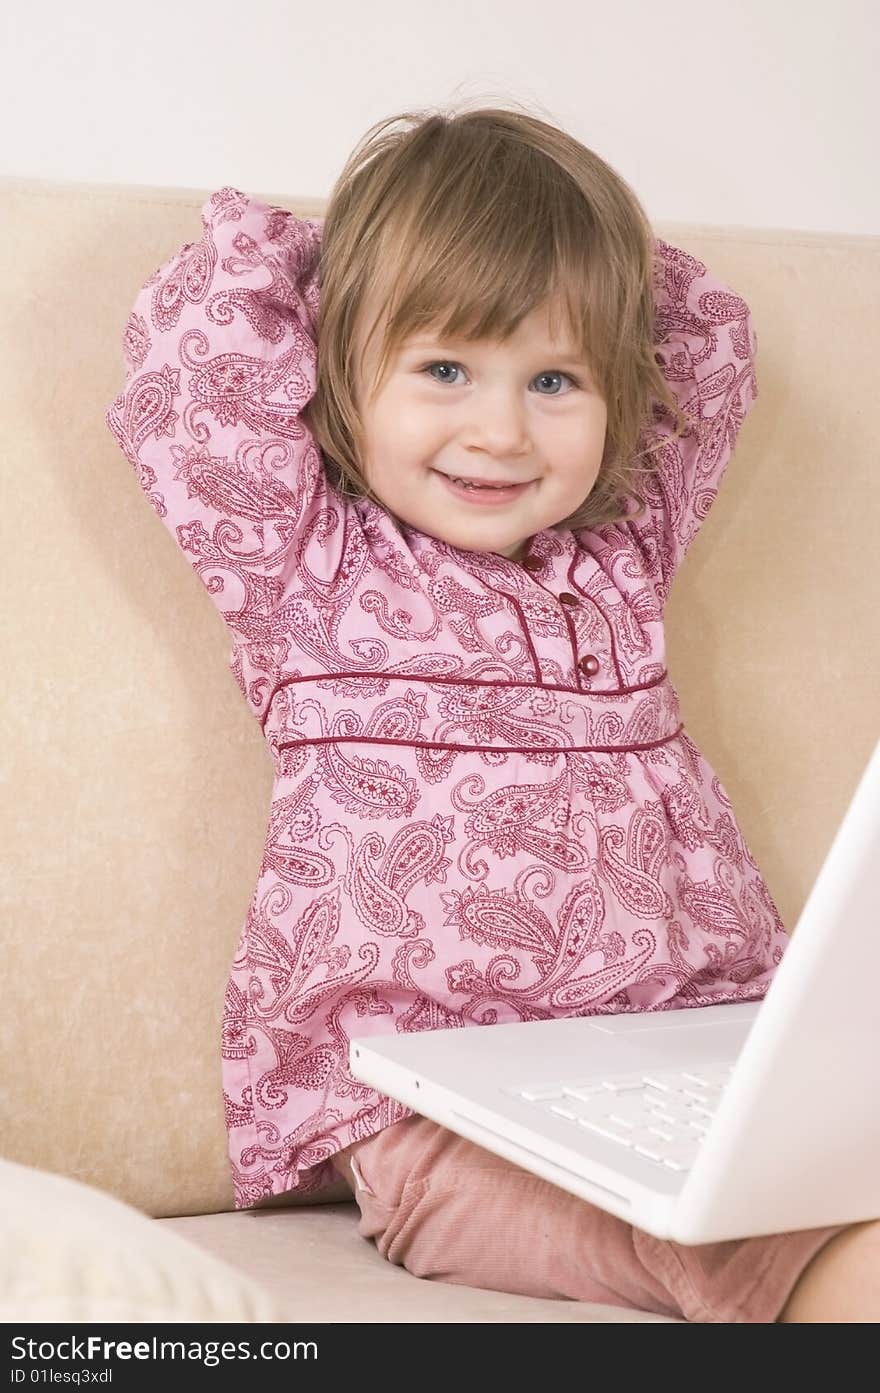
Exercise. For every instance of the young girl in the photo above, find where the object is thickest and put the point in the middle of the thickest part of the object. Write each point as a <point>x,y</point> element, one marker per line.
<point>437,461</point>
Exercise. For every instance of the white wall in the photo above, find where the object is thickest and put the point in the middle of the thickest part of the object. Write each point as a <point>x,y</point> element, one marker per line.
<point>751,112</point>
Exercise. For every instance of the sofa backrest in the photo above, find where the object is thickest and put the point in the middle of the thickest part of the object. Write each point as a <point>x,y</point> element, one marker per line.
<point>137,786</point>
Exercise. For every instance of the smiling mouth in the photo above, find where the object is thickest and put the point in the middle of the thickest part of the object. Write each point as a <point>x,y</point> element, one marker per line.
<point>484,483</point>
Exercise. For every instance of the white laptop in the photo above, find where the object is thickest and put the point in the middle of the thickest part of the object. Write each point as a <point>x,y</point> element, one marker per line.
<point>703,1124</point>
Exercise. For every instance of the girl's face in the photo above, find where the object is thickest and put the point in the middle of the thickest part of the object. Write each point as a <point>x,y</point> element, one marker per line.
<point>523,412</point>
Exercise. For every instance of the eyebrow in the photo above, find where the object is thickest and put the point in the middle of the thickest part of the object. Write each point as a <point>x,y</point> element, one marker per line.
<point>566,355</point>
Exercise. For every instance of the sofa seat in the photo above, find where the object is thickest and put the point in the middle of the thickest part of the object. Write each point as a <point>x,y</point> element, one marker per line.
<point>317,1266</point>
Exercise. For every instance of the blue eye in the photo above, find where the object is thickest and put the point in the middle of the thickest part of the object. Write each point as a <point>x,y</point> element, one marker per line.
<point>554,374</point>
<point>430,366</point>
<point>457,366</point>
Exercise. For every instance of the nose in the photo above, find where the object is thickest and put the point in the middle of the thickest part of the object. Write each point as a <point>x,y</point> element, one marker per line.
<point>496,424</point>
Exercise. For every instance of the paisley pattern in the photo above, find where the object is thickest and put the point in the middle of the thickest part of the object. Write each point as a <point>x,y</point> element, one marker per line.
<point>485,806</point>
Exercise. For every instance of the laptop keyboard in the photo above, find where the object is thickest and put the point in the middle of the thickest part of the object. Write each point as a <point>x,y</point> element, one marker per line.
<point>663,1114</point>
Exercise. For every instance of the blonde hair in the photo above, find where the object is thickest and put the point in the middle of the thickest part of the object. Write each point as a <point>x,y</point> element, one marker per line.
<point>464,223</point>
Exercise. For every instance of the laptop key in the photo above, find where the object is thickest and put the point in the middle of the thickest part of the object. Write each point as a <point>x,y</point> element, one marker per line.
<point>604,1127</point>
<point>585,1091</point>
<point>648,1149</point>
<point>657,1081</point>
<point>621,1083</point>
<point>628,1105</point>
<point>663,1133</point>
<point>540,1093</point>
<point>563,1110</point>
<point>662,1118</point>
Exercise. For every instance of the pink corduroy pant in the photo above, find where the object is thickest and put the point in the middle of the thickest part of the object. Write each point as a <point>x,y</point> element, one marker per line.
<point>448,1211</point>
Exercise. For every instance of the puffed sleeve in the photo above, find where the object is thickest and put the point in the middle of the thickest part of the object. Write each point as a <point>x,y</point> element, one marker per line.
<point>706,346</point>
<point>220,357</point>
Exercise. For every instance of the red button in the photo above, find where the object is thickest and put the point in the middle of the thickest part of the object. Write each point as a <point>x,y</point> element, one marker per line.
<point>532,563</point>
<point>566,598</point>
<point>589,665</point>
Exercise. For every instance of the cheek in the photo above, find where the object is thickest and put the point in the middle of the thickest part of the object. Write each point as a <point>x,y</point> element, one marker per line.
<point>580,440</point>
<point>592,432</point>
<point>407,429</point>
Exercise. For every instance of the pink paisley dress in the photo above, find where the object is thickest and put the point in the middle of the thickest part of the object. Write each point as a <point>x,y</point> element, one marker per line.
<point>485,806</point>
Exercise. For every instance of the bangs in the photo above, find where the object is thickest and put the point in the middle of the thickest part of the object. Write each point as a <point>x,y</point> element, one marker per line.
<point>484,253</point>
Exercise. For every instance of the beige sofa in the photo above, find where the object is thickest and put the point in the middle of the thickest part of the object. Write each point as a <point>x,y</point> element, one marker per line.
<point>137,786</point>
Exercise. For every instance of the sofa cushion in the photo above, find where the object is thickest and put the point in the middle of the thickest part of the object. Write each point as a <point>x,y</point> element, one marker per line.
<point>71,1253</point>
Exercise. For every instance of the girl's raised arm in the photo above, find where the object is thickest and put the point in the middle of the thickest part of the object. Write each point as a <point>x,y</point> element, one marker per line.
<point>706,345</point>
<point>220,353</point>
